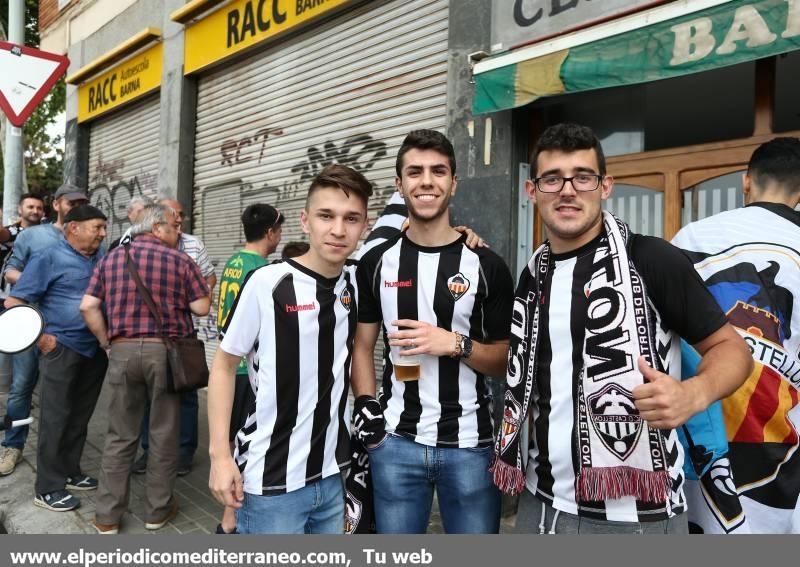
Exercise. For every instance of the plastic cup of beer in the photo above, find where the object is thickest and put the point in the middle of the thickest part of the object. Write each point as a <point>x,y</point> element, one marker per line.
<point>406,368</point>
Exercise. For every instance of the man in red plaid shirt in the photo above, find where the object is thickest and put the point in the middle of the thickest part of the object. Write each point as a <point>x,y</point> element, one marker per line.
<point>137,367</point>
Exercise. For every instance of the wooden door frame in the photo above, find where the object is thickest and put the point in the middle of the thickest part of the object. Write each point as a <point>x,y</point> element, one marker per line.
<point>674,170</point>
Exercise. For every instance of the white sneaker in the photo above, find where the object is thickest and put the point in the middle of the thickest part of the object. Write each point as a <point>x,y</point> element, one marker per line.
<point>9,457</point>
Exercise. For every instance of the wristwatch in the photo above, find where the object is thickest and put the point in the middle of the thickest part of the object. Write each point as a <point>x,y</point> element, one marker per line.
<point>465,346</point>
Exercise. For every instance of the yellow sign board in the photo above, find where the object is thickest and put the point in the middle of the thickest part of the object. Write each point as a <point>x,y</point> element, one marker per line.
<point>244,23</point>
<point>123,83</point>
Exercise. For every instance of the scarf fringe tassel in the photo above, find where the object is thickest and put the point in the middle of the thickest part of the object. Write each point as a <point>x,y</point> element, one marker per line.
<point>509,479</point>
<point>601,483</point>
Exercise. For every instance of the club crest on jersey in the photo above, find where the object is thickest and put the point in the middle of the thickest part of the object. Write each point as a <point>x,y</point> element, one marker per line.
<point>352,512</point>
<point>458,285</point>
<point>346,298</point>
<point>512,416</point>
<point>615,419</point>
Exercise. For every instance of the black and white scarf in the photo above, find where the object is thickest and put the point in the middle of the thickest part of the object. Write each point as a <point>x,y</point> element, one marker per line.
<point>617,452</point>
<point>359,511</point>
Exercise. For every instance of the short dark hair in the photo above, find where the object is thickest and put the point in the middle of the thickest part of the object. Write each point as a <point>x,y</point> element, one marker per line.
<point>777,161</point>
<point>426,140</point>
<point>257,219</point>
<point>30,196</point>
<point>341,177</point>
<point>569,138</point>
<point>294,249</point>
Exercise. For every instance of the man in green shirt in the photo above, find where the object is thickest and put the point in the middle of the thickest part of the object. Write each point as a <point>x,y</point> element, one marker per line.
<point>262,230</point>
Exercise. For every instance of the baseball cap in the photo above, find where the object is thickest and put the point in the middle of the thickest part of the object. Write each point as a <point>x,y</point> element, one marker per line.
<point>84,213</point>
<point>70,192</point>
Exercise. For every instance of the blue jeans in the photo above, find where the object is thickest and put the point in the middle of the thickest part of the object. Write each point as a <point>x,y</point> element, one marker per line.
<point>405,473</point>
<point>189,428</point>
<point>317,508</point>
<point>25,375</point>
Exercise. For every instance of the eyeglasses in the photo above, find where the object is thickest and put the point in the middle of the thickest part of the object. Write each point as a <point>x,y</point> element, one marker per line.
<point>584,182</point>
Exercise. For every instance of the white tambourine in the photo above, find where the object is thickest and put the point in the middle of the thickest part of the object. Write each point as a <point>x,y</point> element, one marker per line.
<point>20,328</point>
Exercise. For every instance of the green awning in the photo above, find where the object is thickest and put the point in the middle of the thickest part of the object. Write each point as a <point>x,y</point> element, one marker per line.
<point>726,34</point>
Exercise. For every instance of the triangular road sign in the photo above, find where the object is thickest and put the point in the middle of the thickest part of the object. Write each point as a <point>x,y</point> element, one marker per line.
<point>26,76</point>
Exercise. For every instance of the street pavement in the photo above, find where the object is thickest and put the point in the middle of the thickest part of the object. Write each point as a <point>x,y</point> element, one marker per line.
<point>199,513</point>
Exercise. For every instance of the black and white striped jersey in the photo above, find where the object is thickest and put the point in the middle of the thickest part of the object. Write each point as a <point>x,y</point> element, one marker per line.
<point>684,306</point>
<point>457,289</point>
<point>296,329</point>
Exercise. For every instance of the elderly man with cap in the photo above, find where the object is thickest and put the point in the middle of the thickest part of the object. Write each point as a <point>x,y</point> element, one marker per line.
<point>71,364</point>
<point>25,364</point>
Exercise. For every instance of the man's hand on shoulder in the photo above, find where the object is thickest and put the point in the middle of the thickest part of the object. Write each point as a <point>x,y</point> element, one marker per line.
<point>474,240</point>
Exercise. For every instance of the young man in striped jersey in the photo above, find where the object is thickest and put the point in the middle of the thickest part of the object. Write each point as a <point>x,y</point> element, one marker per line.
<point>262,230</point>
<point>451,306</point>
<point>593,350</point>
<point>295,322</point>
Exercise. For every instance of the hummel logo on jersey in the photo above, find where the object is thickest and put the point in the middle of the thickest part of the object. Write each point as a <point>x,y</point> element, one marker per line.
<point>400,283</point>
<point>302,307</point>
<point>346,298</point>
<point>458,285</point>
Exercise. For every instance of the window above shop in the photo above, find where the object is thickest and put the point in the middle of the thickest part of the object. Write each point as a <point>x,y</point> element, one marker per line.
<point>695,109</point>
<point>787,92</point>
<point>705,107</point>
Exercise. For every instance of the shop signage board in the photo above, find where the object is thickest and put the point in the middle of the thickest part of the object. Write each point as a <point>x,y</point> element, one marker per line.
<point>123,83</point>
<point>241,24</point>
<point>517,22</point>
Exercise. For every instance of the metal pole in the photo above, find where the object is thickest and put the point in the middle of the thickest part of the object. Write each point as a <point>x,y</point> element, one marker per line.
<point>12,160</point>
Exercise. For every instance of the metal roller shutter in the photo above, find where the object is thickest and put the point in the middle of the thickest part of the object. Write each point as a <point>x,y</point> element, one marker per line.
<point>123,161</point>
<point>347,91</point>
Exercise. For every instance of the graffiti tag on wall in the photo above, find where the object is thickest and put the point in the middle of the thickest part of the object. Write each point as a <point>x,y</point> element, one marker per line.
<point>111,191</point>
<point>235,152</point>
<point>361,152</point>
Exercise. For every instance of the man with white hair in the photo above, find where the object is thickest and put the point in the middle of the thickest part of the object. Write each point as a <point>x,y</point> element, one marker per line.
<point>135,209</point>
<point>196,250</point>
<point>117,315</point>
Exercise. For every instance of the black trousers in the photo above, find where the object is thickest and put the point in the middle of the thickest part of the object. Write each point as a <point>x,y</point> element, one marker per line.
<point>69,387</point>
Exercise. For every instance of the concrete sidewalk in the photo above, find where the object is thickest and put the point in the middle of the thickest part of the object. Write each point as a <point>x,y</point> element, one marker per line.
<point>199,513</point>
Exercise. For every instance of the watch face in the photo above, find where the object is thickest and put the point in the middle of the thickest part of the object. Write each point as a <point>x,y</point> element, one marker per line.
<point>466,346</point>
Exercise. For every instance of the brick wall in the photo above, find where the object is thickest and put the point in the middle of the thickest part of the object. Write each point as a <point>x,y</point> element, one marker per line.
<point>48,13</point>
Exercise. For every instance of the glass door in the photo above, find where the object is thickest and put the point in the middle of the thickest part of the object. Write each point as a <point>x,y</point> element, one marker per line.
<point>721,193</point>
